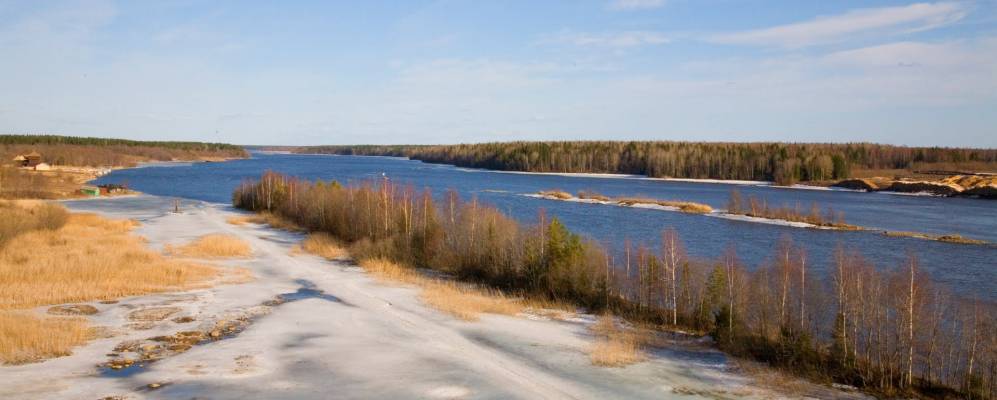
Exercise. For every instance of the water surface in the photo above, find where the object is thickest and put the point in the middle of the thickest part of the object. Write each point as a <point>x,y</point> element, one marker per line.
<point>969,269</point>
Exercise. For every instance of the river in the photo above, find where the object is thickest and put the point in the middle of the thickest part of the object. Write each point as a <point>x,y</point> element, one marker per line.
<point>969,269</point>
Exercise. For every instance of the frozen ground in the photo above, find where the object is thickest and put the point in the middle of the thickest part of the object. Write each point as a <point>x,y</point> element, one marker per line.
<point>340,334</point>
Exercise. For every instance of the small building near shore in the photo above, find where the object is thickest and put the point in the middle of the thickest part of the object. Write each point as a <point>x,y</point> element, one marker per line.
<point>112,188</point>
<point>43,167</point>
<point>29,160</point>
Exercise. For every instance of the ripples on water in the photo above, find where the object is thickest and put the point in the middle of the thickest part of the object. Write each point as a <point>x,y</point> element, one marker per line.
<point>971,269</point>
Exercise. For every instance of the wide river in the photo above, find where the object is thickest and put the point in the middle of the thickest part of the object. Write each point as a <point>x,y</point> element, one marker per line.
<point>968,269</point>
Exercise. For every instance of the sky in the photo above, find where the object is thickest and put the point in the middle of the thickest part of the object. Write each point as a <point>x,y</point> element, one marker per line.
<point>351,72</point>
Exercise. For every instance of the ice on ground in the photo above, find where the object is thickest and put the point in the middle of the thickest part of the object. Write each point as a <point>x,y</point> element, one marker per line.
<point>770,221</point>
<point>337,333</point>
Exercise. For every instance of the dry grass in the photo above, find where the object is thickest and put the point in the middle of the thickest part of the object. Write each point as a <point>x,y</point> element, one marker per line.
<point>462,300</point>
<point>90,258</point>
<point>239,219</point>
<point>265,218</point>
<point>25,338</point>
<point>390,271</point>
<point>468,302</point>
<point>557,194</point>
<point>592,196</point>
<point>684,206</point>
<point>615,346</point>
<point>323,245</point>
<point>951,238</point>
<point>213,246</point>
<point>22,216</point>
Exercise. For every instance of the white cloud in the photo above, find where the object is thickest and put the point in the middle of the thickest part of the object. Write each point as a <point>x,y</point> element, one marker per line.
<point>617,40</point>
<point>830,29</point>
<point>635,4</point>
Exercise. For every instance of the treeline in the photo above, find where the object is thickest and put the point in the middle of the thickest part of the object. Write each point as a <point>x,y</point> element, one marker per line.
<point>784,163</point>
<point>886,331</point>
<point>96,152</point>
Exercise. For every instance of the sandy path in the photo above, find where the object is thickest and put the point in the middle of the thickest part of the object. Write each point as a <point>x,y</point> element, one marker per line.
<point>343,335</point>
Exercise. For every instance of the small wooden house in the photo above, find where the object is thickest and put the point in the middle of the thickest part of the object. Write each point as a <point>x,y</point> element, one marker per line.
<point>112,188</point>
<point>29,160</point>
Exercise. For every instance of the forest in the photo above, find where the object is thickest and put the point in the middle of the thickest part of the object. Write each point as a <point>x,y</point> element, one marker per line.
<point>785,163</point>
<point>103,152</point>
<point>888,330</point>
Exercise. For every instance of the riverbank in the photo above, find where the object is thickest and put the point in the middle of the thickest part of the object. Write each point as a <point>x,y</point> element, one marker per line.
<point>799,221</point>
<point>334,327</point>
<point>974,185</point>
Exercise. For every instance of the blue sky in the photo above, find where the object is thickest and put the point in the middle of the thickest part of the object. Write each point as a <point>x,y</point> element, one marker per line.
<point>472,71</point>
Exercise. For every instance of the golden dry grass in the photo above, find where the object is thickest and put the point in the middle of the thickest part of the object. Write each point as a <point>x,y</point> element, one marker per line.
<point>468,302</point>
<point>462,300</point>
<point>951,238</point>
<point>557,194</point>
<point>615,346</point>
<point>22,216</point>
<point>239,219</point>
<point>323,245</point>
<point>592,196</point>
<point>390,271</point>
<point>265,218</point>
<point>25,337</point>
<point>213,246</point>
<point>89,258</point>
<point>684,206</point>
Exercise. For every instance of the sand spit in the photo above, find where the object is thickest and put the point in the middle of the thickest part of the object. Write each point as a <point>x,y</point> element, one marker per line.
<point>337,333</point>
<point>652,204</point>
<point>982,186</point>
<point>719,213</point>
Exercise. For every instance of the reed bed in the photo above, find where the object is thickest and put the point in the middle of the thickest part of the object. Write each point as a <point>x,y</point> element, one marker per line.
<point>464,301</point>
<point>684,206</point>
<point>557,194</point>
<point>90,258</point>
<point>213,246</point>
<point>323,245</point>
<point>26,338</point>
<point>87,258</point>
<point>614,346</point>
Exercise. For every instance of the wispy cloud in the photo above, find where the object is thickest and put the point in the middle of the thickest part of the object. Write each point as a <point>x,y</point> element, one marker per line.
<point>616,39</point>
<point>635,4</point>
<point>836,28</point>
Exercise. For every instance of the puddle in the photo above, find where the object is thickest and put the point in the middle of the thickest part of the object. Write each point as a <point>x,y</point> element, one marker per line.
<point>125,372</point>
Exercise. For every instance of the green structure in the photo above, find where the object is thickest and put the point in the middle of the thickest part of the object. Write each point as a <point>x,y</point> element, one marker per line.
<point>90,191</point>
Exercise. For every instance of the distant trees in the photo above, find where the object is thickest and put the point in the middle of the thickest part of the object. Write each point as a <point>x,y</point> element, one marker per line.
<point>888,331</point>
<point>785,163</point>
<point>97,152</point>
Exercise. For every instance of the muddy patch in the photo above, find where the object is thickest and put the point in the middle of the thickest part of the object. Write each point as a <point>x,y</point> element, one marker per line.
<point>133,356</point>
<point>153,313</point>
<point>73,309</point>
